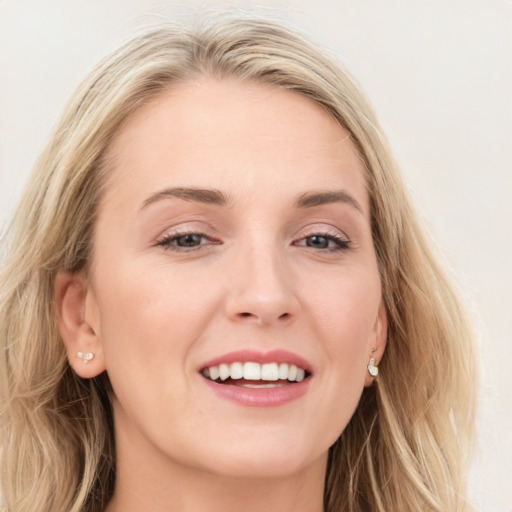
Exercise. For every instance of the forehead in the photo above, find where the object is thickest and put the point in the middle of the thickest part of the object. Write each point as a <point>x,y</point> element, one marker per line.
<point>245,137</point>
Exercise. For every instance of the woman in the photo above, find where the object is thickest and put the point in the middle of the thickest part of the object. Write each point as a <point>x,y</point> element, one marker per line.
<point>216,296</point>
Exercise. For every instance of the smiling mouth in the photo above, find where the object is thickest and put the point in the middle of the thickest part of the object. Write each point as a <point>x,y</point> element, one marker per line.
<point>255,375</point>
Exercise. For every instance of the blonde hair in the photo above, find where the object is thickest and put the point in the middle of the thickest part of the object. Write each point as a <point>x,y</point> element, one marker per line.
<point>407,444</point>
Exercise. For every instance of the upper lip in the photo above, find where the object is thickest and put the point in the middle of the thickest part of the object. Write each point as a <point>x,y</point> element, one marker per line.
<point>256,356</point>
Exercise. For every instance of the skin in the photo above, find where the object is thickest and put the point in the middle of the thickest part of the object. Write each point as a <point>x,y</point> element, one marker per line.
<point>153,314</point>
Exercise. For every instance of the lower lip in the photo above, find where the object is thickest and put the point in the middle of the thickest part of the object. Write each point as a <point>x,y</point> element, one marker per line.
<point>263,397</point>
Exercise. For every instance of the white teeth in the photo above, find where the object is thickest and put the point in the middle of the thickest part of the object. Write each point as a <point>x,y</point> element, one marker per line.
<point>269,371</point>
<point>224,371</point>
<point>214,372</point>
<point>254,371</point>
<point>237,370</point>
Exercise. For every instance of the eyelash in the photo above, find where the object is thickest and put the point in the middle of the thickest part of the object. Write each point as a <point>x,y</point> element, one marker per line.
<point>168,242</point>
<point>341,244</point>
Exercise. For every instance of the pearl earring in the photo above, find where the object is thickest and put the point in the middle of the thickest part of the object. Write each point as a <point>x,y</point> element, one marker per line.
<point>372,368</point>
<point>85,357</point>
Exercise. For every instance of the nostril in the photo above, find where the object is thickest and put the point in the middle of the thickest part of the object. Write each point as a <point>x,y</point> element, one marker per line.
<point>263,318</point>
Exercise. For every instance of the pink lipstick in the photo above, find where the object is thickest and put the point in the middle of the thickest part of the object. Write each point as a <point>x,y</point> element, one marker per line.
<point>261,379</point>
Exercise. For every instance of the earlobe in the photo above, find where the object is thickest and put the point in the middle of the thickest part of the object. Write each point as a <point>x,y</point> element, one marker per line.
<point>378,346</point>
<point>78,323</point>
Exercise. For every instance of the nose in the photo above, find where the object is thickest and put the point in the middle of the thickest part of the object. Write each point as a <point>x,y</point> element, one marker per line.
<point>261,288</point>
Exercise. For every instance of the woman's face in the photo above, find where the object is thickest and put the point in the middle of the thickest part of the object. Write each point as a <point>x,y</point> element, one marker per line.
<point>234,229</point>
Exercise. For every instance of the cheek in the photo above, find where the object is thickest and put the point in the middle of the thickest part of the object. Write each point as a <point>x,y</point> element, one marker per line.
<point>150,321</point>
<point>157,305</point>
<point>344,309</point>
<point>344,313</point>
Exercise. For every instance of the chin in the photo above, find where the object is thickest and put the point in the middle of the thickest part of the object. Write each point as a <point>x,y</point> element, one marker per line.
<point>277,456</point>
<point>266,467</point>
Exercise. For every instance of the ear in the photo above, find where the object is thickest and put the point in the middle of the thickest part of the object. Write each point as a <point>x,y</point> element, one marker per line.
<point>78,321</point>
<point>378,342</point>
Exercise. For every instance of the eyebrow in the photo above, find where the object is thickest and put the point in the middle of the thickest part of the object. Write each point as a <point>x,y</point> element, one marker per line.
<point>311,199</point>
<point>200,195</point>
<point>217,198</point>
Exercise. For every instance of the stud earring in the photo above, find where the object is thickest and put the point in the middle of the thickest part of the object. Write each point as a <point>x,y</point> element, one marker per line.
<point>85,357</point>
<point>373,370</point>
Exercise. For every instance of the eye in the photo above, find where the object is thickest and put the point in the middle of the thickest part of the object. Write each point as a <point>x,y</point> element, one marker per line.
<point>324,241</point>
<point>190,240</point>
<point>185,241</point>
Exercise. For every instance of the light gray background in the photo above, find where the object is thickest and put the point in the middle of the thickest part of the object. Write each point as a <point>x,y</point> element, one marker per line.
<point>439,74</point>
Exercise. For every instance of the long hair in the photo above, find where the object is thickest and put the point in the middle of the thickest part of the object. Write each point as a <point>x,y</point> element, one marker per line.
<point>407,444</point>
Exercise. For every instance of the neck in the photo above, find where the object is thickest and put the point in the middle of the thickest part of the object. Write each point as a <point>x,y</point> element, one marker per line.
<point>150,481</point>
<point>216,494</point>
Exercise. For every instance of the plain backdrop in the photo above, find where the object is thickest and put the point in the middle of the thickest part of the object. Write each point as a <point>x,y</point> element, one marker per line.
<point>439,74</point>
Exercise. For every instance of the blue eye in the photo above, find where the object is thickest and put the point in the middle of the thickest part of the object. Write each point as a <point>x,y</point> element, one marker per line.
<point>317,242</point>
<point>183,241</point>
<point>190,240</point>
<point>326,242</point>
